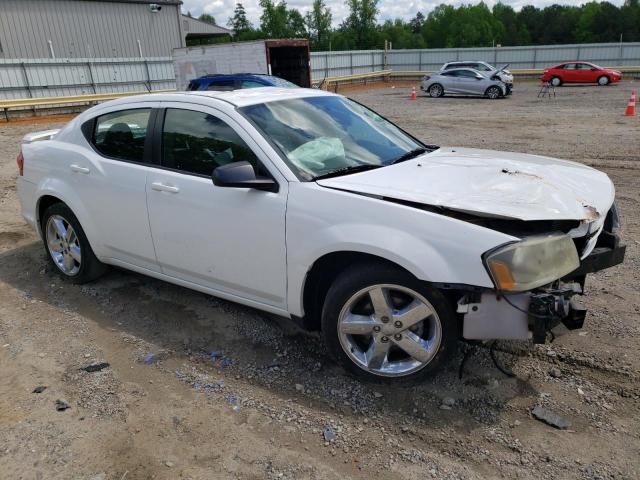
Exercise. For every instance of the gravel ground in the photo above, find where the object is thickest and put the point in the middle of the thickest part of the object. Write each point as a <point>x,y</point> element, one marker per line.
<point>201,388</point>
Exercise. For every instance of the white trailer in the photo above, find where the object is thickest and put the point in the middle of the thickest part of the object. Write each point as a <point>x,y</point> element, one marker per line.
<point>288,59</point>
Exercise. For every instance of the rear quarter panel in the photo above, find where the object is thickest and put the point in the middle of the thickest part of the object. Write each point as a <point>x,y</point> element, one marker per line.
<point>46,169</point>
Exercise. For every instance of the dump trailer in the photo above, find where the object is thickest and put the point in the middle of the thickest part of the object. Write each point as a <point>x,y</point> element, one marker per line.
<point>288,59</point>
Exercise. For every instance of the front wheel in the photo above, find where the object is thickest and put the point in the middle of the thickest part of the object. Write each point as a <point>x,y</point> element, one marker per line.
<point>493,92</point>
<point>603,80</point>
<point>381,323</point>
<point>436,90</point>
<point>556,81</point>
<point>67,245</point>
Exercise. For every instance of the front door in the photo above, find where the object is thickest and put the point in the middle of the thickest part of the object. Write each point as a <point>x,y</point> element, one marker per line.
<point>468,82</point>
<point>230,240</point>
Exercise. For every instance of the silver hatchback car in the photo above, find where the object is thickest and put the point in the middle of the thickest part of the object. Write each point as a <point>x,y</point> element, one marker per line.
<point>463,81</point>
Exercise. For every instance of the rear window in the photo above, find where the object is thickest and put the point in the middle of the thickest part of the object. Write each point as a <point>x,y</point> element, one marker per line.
<point>122,134</point>
<point>222,85</point>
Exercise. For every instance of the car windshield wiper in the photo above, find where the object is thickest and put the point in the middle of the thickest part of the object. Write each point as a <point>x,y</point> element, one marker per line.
<point>409,155</point>
<point>346,171</point>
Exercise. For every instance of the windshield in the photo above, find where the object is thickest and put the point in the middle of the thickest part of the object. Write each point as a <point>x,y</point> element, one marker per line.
<point>281,82</point>
<point>319,135</point>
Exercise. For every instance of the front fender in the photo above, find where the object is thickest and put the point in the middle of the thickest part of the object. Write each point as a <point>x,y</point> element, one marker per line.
<point>433,247</point>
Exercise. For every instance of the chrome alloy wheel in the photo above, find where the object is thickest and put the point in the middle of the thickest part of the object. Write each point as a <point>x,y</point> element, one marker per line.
<point>389,330</point>
<point>435,90</point>
<point>63,245</point>
<point>493,93</point>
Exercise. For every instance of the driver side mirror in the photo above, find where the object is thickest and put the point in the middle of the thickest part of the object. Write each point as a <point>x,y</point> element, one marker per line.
<point>242,175</point>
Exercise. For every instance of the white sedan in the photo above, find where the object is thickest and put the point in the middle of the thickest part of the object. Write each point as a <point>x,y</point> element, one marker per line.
<point>308,205</point>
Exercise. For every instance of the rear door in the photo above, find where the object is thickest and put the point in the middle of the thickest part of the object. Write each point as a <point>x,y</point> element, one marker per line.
<point>111,179</point>
<point>449,81</point>
<point>229,240</point>
<point>569,73</point>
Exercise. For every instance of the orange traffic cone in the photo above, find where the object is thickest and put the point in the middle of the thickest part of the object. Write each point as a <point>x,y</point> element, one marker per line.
<point>413,95</point>
<point>631,107</point>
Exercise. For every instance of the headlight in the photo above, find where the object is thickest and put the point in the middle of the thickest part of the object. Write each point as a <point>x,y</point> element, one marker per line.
<point>532,262</point>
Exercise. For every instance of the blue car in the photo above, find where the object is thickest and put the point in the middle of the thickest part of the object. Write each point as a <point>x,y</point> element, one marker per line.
<point>237,81</point>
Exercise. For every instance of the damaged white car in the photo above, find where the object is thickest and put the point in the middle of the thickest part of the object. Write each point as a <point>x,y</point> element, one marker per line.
<point>308,205</point>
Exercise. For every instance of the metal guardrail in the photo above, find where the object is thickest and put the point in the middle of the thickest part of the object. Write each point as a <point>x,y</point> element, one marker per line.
<point>5,105</point>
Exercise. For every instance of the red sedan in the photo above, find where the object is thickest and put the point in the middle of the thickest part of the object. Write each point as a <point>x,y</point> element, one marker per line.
<point>580,72</point>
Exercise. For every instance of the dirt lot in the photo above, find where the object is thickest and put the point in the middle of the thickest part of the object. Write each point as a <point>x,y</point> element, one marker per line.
<point>262,405</point>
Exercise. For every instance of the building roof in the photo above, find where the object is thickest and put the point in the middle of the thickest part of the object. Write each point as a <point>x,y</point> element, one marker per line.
<point>159,2</point>
<point>193,26</point>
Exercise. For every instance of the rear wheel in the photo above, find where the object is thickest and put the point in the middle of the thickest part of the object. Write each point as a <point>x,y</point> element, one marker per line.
<point>436,90</point>
<point>556,81</point>
<point>603,80</point>
<point>67,245</point>
<point>381,323</point>
<point>493,92</point>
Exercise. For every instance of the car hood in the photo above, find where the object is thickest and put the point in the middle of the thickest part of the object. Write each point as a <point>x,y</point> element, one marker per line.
<point>490,184</point>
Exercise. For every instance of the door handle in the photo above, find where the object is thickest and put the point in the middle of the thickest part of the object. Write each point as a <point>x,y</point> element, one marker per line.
<point>79,169</point>
<point>161,187</point>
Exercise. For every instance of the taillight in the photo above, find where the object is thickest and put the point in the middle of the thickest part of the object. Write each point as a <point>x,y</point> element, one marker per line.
<point>20,161</point>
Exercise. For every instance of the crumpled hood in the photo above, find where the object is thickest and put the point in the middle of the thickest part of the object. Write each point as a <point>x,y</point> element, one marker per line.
<point>489,183</point>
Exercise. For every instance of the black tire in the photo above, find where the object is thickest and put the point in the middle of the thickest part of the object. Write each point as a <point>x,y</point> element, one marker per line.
<point>603,81</point>
<point>90,268</point>
<point>555,81</point>
<point>436,91</point>
<point>360,276</point>
<point>493,93</point>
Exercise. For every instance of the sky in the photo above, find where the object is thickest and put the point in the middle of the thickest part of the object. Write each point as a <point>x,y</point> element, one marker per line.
<point>389,9</point>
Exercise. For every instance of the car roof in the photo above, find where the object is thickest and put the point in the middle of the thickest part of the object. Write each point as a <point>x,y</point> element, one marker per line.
<point>219,76</point>
<point>237,98</point>
<point>462,69</point>
<point>574,61</point>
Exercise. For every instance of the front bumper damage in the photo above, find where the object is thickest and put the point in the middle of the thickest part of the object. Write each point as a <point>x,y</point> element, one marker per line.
<point>530,315</point>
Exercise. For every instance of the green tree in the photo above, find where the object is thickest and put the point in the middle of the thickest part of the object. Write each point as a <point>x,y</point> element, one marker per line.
<point>318,22</point>
<point>416,23</point>
<point>296,27</point>
<point>360,24</point>
<point>400,35</point>
<point>208,18</point>
<point>274,19</point>
<point>514,32</point>
<point>239,22</point>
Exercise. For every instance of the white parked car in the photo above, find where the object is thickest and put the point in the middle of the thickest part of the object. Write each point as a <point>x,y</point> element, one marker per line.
<point>485,68</point>
<point>308,205</point>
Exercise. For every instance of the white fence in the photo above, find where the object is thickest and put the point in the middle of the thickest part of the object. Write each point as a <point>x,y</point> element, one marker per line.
<point>29,78</point>
<point>335,64</point>
<point>69,77</point>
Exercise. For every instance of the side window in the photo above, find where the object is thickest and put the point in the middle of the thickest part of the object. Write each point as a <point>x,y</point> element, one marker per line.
<point>122,134</point>
<point>223,85</point>
<point>467,74</point>
<point>195,142</point>
<point>251,84</point>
